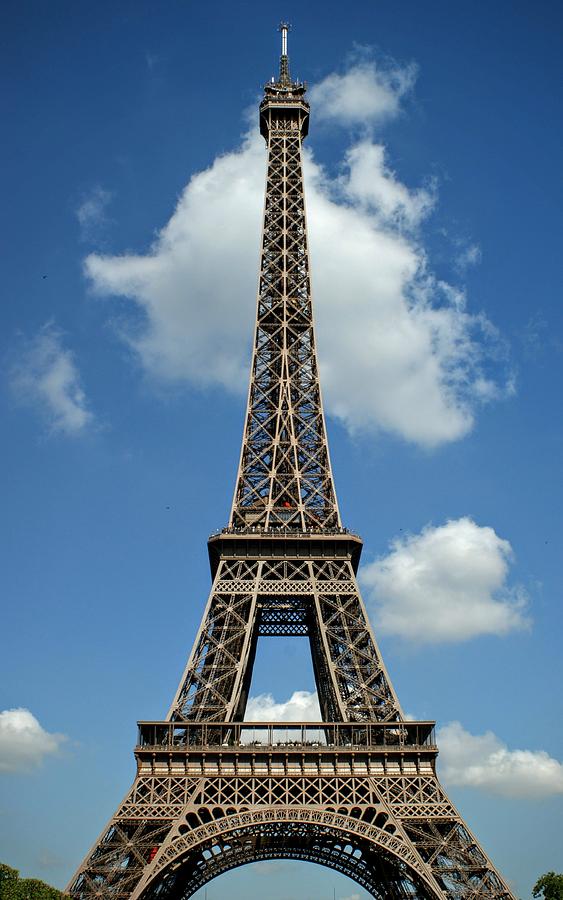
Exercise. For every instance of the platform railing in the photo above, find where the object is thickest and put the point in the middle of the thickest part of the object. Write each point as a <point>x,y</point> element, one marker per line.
<point>289,530</point>
<point>306,736</point>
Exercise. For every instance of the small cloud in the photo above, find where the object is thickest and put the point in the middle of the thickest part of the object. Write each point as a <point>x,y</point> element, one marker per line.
<point>23,742</point>
<point>302,706</point>
<point>483,761</point>
<point>48,860</point>
<point>151,60</point>
<point>92,213</point>
<point>468,255</point>
<point>366,94</point>
<point>446,584</point>
<point>267,868</point>
<point>46,377</point>
<point>535,335</point>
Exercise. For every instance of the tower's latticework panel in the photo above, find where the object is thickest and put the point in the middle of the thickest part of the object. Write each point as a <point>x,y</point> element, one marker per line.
<point>284,480</point>
<point>358,791</point>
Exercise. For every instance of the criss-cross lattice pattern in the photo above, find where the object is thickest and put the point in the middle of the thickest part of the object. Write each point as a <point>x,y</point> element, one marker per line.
<point>284,479</point>
<point>315,598</point>
<point>381,818</point>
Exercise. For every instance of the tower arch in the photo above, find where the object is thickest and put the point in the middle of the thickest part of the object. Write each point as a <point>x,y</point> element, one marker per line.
<point>375,856</point>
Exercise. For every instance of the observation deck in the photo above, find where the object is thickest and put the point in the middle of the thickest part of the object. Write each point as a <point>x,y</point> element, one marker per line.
<point>278,542</point>
<point>267,749</point>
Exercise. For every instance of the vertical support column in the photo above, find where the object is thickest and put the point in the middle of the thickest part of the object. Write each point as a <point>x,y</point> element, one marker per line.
<point>210,688</point>
<point>351,656</point>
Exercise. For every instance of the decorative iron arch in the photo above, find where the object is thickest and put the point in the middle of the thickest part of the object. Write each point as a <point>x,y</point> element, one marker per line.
<point>373,854</point>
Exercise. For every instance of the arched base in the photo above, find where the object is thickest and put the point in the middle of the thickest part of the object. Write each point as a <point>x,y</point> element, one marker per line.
<point>374,858</point>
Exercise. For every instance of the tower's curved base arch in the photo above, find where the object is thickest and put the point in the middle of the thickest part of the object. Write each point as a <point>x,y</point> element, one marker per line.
<point>375,857</point>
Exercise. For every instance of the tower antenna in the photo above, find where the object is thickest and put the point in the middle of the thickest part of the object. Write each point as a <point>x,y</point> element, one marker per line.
<point>284,27</point>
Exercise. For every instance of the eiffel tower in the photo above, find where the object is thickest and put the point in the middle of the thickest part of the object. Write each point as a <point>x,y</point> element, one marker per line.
<point>357,792</point>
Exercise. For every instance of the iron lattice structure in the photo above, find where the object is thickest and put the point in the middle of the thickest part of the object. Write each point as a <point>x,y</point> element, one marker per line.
<point>357,792</point>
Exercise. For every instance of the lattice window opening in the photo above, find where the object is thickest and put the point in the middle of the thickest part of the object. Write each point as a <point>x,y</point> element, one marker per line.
<point>238,569</point>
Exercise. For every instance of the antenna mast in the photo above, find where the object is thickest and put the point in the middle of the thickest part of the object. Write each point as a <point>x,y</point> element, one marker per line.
<point>284,27</point>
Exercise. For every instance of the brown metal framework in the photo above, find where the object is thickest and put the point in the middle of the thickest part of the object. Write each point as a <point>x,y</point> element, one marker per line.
<point>284,479</point>
<point>357,792</point>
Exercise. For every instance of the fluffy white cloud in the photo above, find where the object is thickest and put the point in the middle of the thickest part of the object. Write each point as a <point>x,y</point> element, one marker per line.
<point>483,761</point>
<point>302,706</point>
<point>373,186</point>
<point>46,377</point>
<point>446,584</point>
<point>92,212</point>
<point>398,349</point>
<point>23,742</point>
<point>365,94</point>
<point>196,287</point>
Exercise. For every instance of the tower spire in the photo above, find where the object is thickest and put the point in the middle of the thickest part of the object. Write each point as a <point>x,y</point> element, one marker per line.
<point>284,27</point>
<point>285,479</point>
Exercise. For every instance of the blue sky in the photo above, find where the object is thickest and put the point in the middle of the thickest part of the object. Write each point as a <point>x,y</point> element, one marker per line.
<point>131,182</point>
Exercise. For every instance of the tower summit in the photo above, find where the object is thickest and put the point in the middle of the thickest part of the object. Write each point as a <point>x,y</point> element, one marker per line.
<point>358,791</point>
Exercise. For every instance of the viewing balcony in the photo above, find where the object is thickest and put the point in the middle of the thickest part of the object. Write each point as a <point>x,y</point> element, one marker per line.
<point>303,737</point>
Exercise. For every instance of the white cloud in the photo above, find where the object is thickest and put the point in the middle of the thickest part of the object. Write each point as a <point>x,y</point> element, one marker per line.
<point>398,350</point>
<point>535,335</point>
<point>468,255</point>
<point>365,94</point>
<point>23,742</point>
<point>372,185</point>
<point>92,212</point>
<point>46,377</point>
<point>446,584</point>
<point>196,288</point>
<point>272,867</point>
<point>483,761</point>
<point>49,860</point>
<point>152,60</point>
<point>302,706</point>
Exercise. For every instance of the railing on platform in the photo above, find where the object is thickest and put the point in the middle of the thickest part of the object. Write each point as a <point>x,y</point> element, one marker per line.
<point>290,736</point>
